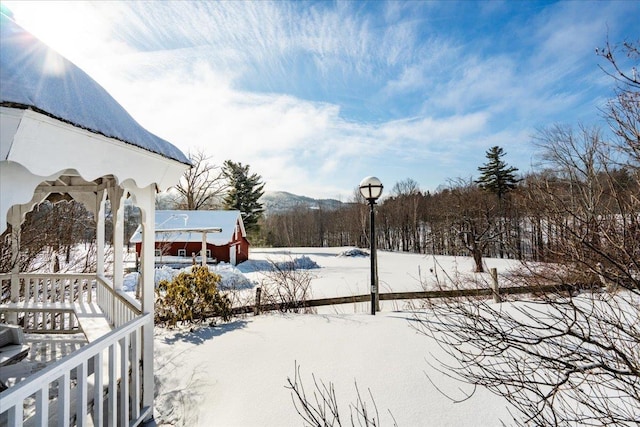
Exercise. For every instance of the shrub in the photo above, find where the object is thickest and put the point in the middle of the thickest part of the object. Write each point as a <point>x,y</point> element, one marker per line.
<point>287,285</point>
<point>191,297</point>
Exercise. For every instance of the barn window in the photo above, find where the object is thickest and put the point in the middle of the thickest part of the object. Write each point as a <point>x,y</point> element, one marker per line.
<point>208,253</point>
<point>182,252</point>
<point>158,252</point>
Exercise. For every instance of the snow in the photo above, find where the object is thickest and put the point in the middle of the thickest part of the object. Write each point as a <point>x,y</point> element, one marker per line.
<point>179,220</point>
<point>235,374</point>
<point>353,252</point>
<point>35,76</point>
<point>341,275</point>
<point>344,271</point>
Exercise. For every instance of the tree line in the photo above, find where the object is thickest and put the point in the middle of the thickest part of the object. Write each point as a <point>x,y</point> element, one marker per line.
<point>579,190</point>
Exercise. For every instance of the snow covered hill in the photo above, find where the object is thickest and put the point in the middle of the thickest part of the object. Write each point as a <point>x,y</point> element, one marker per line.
<point>280,201</point>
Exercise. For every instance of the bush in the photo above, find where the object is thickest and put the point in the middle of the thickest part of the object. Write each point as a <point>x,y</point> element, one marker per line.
<point>322,410</point>
<point>191,298</point>
<point>287,285</point>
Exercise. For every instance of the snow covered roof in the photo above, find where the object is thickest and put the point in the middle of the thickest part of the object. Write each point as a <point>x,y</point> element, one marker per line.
<point>34,76</point>
<point>173,224</point>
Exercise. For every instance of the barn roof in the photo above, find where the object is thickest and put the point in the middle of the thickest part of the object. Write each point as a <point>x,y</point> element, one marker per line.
<point>35,77</point>
<point>174,222</point>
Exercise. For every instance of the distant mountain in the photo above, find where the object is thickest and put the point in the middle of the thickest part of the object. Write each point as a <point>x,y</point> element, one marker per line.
<point>281,201</point>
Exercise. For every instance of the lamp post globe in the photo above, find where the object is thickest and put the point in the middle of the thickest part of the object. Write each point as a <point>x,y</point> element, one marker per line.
<point>371,189</point>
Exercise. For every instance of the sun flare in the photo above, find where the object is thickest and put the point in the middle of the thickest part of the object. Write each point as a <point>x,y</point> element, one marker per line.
<point>67,27</point>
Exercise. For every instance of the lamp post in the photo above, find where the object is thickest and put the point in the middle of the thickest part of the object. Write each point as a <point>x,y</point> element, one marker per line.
<point>371,189</point>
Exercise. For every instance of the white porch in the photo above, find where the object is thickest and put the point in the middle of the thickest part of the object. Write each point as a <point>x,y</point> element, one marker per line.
<point>87,367</point>
<point>63,137</point>
<point>110,380</point>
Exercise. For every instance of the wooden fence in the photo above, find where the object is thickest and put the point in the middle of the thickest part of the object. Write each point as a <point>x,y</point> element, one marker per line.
<point>390,296</point>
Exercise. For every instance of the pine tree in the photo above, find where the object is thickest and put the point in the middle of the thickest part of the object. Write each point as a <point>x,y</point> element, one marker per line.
<point>245,189</point>
<point>496,177</point>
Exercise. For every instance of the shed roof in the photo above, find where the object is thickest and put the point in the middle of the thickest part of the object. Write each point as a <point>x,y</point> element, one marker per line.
<point>34,76</point>
<point>173,222</point>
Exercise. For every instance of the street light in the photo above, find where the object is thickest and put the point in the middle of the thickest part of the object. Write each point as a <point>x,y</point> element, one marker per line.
<point>371,189</point>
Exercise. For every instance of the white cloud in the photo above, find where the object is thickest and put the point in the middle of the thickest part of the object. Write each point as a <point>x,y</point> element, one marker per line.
<point>178,68</point>
<point>292,143</point>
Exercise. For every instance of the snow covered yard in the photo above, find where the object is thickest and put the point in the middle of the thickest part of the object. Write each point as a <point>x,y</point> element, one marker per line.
<point>334,274</point>
<point>236,374</point>
<point>340,275</point>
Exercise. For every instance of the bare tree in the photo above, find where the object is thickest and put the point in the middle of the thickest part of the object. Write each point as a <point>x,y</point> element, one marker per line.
<point>401,217</point>
<point>557,360</point>
<point>562,360</point>
<point>567,359</point>
<point>202,186</point>
<point>475,220</point>
<point>53,227</point>
<point>623,111</point>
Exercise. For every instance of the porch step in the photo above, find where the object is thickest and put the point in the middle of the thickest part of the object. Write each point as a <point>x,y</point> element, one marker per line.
<point>31,421</point>
<point>93,325</point>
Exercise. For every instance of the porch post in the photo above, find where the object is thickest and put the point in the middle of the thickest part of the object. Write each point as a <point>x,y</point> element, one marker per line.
<point>117,214</point>
<point>16,219</point>
<point>100,212</point>
<point>146,201</point>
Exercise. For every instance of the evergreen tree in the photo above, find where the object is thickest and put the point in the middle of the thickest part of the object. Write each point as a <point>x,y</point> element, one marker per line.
<point>496,177</point>
<point>244,191</point>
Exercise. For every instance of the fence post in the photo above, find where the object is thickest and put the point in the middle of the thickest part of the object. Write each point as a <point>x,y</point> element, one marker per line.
<point>494,285</point>
<point>256,309</point>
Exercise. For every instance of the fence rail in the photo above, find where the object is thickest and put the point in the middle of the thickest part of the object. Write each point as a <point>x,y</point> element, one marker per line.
<point>390,296</point>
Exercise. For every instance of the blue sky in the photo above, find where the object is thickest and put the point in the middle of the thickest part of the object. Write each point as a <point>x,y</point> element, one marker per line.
<point>314,96</point>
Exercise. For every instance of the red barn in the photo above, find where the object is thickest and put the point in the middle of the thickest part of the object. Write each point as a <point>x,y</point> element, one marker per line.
<point>179,234</point>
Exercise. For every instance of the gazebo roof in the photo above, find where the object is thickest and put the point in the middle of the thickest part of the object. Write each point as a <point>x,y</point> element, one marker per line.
<point>61,132</point>
<point>34,76</point>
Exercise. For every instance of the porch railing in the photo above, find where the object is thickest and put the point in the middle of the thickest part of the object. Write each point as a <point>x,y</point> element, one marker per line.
<point>102,380</point>
<point>53,287</point>
<point>47,302</point>
<point>117,306</point>
<point>103,376</point>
